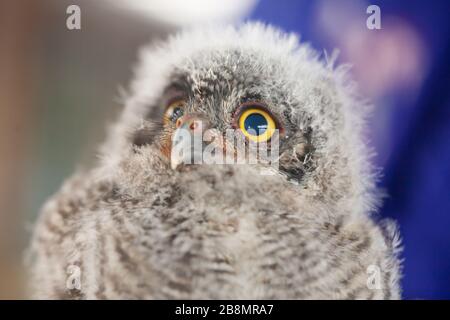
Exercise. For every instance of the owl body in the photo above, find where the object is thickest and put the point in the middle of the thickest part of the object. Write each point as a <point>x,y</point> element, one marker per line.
<point>137,227</point>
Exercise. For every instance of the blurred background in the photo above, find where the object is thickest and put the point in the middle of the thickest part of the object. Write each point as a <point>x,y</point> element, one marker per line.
<point>59,89</point>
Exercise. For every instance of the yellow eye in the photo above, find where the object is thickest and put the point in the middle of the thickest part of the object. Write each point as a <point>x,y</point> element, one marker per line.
<point>257,124</point>
<point>174,111</point>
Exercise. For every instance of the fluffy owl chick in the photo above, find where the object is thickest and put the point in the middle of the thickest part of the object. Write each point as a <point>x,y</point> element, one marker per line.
<point>139,225</point>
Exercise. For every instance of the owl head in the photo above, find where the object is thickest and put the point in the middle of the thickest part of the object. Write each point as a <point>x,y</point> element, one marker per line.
<point>263,84</point>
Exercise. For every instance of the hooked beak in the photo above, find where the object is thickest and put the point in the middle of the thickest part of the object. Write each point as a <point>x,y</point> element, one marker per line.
<point>187,141</point>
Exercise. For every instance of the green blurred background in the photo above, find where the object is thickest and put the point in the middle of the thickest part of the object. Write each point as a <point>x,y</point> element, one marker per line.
<point>59,90</point>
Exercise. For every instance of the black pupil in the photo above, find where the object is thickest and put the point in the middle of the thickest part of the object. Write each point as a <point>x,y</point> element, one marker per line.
<point>176,113</point>
<point>255,124</point>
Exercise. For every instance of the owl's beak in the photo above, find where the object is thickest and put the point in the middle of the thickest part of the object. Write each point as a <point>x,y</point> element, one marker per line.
<point>187,141</point>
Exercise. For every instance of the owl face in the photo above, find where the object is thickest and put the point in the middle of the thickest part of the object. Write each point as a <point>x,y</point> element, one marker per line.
<point>259,83</point>
<point>224,96</point>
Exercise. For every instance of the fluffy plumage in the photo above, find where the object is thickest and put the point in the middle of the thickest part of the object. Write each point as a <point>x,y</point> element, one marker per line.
<point>138,229</point>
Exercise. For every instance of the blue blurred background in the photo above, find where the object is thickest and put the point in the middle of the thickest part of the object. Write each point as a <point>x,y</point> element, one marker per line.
<point>59,90</point>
